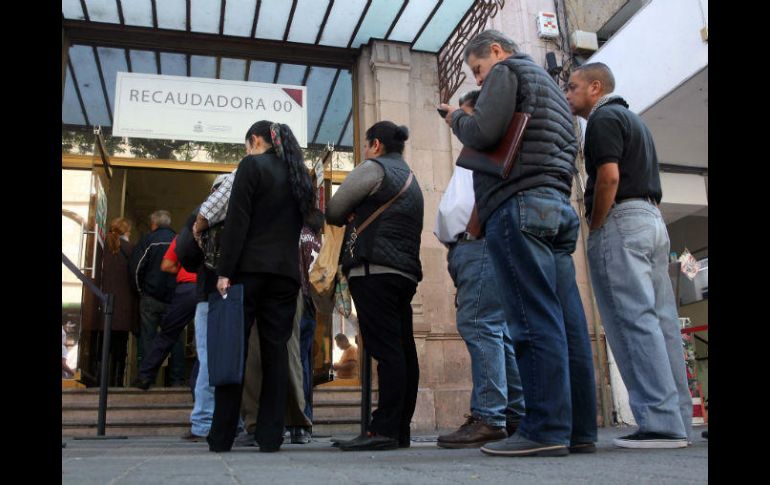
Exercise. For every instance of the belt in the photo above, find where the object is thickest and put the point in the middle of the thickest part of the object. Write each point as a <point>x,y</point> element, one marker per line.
<point>648,198</point>
<point>463,237</point>
<point>467,236</point>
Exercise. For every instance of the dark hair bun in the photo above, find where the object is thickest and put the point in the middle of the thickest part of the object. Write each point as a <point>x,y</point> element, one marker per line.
<point>402,133</point>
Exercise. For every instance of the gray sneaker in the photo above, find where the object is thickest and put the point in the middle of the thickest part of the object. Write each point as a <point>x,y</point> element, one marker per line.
<point>245,439</point>
<point>650,440</point>
<point>517,445</point>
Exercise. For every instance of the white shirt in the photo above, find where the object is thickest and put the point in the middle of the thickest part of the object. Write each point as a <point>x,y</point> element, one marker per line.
<point>214,208</point>
<point>456,206</point>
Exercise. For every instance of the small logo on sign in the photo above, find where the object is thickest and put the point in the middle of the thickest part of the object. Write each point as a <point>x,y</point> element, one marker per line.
<point>198,127</point>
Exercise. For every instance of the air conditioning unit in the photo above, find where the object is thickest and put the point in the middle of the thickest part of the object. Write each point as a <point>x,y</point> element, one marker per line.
<point>547,26</point>
<point>582,41</point>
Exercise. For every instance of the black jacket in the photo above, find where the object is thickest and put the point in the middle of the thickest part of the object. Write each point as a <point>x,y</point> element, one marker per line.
<point>145,265</point>
<point>263,222</point>
<point>549,146</point>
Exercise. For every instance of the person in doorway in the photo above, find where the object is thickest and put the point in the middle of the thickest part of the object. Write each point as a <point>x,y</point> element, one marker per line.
<point>383,268</point>
<point>531,231</point>
<point>272,195</point>
<point>66,371</point>
<point>497,401</point>
<point>156,288</point>
<point>347,366</point>
<point>180,313</point>
<point>628,249</point>
<point>116,280</point>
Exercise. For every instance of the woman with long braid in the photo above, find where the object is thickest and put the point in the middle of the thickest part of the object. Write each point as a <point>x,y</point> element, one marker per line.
<point>272,195</point>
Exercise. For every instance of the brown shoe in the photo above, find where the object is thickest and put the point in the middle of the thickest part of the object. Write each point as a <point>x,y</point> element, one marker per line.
<point>189,436</point>
<point>473,434</point>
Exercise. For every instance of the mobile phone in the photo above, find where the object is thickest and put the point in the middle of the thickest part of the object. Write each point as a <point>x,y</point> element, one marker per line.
<point>442,112</point>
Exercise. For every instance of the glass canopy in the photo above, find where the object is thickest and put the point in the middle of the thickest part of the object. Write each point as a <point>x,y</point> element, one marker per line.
<point>344,24</point>
<point>425,24</point>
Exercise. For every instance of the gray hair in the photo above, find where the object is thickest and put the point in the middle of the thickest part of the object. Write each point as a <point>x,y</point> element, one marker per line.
<point>598,71</point>
<point>160,218</point>
<point>479,45</point>
<point>470,96</point>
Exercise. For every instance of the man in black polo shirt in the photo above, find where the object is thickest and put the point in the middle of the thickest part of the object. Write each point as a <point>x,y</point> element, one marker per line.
<point>628,249</point>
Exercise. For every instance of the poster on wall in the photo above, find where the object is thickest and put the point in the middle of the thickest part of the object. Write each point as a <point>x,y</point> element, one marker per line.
<point>203,109</point>
<point>101,211</point>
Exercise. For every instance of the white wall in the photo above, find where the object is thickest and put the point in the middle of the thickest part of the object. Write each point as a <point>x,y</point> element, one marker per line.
<point>681,188</point>
<point>658,49</point>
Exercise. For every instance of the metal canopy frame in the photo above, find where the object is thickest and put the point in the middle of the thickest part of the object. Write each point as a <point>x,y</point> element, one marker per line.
<point>100,34</point>
<point>450,58</point>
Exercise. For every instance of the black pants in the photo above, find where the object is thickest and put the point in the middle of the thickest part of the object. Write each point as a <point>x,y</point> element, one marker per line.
<point>180,312</point>
<point>118,352</point>
<point>384,309</point>
<point>272,300</point>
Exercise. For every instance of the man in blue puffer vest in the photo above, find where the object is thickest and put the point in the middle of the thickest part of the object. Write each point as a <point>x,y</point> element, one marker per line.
<point>531,231</point>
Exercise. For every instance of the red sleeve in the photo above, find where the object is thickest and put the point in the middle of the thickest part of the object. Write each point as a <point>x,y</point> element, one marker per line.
<point>171,252</point>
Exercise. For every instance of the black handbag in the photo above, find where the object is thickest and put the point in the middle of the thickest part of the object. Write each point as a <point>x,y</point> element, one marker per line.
<point>226,337</point>
<point>210,244</point>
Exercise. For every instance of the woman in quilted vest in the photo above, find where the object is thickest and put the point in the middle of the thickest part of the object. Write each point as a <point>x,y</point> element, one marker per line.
<point>382,204</point>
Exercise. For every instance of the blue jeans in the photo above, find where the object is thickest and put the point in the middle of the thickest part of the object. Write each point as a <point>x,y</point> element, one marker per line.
<point>531,238</point>
<point>203,409</point>
<point>628,257</point>
<point>306,332</point>
<point>481,323</point>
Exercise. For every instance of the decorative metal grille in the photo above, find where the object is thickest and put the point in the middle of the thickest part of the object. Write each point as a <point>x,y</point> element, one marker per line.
<point>450,58</point>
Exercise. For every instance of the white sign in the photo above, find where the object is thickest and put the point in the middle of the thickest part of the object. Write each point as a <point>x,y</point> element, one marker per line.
<point>202,109</point>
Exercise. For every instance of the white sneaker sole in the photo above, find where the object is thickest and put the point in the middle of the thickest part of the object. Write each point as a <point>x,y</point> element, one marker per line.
<point>549,450</point>
<point>650,444</point>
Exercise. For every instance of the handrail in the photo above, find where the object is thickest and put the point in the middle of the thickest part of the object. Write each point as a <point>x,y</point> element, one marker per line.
<point>79,275</point>
<point>108,301</point>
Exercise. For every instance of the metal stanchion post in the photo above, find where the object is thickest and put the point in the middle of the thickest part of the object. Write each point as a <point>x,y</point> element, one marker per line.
<point>109,301</point>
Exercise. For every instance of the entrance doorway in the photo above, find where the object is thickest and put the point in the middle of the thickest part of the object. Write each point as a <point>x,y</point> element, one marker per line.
<point>134,193</point>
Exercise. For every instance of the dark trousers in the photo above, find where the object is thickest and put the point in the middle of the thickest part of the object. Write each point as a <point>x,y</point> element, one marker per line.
<point>152,313</point>
<point>306,333</point>
<point>384,309</point>
<point>272,300</point>
<point>118,352</point>
<point>179,313</point>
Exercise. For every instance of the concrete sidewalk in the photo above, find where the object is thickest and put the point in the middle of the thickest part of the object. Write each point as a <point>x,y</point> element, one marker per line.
<point>172,461</point>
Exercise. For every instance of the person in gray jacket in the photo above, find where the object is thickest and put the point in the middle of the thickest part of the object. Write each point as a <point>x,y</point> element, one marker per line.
<point>531,231</point>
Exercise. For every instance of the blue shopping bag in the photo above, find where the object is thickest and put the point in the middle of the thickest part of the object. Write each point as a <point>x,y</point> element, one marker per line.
<point>226,337</point>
